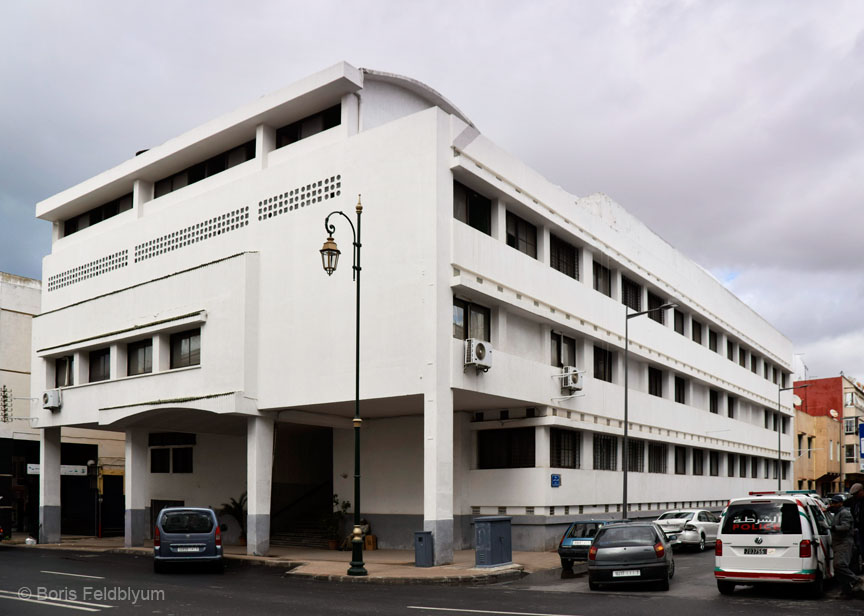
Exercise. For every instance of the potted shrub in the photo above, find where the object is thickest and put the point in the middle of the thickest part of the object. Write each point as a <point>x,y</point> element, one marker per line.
<point>334,521</point>
<point>237,509</point>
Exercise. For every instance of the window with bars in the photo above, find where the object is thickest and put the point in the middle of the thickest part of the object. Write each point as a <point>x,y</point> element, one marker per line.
<point>696,328</point>
<point>698,462</point>
<point>742,357</point>
<point>186,348</point>
<point>655,381</point>
<point>509,448</point>
<point>754,363</point>
<point>714,401</point>
<point>563,350</point>
<point>754,467</point>
<point>605,452</point>
<point>775,374</point>
<point>851,454</point>
<point>766,369</point>
<point>655,301</point>
<point>742,466</point>
<point>63,371</point>
<point>472,208</point>
<point>712,340</point>
<point>714,463</point>
<point>563,257</point>
<point>521,235</point>
<point>730,407</point>
<point>635,455</point>
<point>657,455</point>
<point>602,364</point>
<point>678,316</point>
<point>100,365</point>
<point>470,320</point>
<point>850,426</point>
<point>730,350</point>
<point>730,464</point>
<point>139,357</point>
<point>680,460</point>
<point>204,169</point>
<point>602,279</point>
<point>565,448</point>
<point>680,390</point>
<point>631,294</point>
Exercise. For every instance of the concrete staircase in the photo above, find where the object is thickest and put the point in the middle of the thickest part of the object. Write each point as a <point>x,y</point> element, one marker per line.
<point>302,533</point>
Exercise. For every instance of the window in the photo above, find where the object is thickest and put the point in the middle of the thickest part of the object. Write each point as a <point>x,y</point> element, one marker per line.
<point>160,460</point>
<point>850,425</point>
<point>851,454</point>
<point>763,518</point>
<point>655,382</point>
<point>470,320</point>
<point>205,169</point>
<point>602,279</point>
<point>679,321</point>
<point>657,455</point>
<point>714,463</point>
<point>730,407</point>
<point>800,445</point>
<point>655,301</point>
<point>698,462</point>
<point>472,208</point>
<point>742,466</point>
<point>308,126</point>
<point>605,452</point>
<point>97,214</point>
<point>783,379</point>
<point>768,416</point>
<point>680,390</point>
<point>754,467</point>
<point>631,294</point>
<point>171,460</point>
<point>714,401</point>
<point>766,369</point>
<point>680,460</point>
<point>635,455</point>
<point>139,357</point>
<point>754,363</point>
<point>831,450</point>
<point>563,350</point>
<point>730,464</point>
<point>521,235</point>
<point>730,350</point>
<point>696,326</point>
<point>186,348</point>
<point>181,459</point>
<point>742,357</point>
<point>784,424</point>
<point>810,446</point>
<point>63,371</point>
<point>511,448</point>
<point>602,364</point>
<point>563,257</point>
<point>773,469</point>
<point>774,375</point>
<point>565,450</point>
<point>712,340</point>
<point>100,365</point>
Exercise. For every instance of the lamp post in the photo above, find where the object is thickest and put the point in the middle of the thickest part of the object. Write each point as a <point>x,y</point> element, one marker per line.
<point>780,431</point>
<point>626,454</point>
<point>329,259</point>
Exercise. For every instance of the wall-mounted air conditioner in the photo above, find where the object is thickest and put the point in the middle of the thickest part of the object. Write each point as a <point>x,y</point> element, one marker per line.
<point>51,400</point>
<point>571,379</point>
<point>478,353</point>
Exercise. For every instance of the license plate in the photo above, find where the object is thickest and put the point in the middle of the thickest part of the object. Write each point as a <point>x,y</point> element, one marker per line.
<point>628,573</point>
<point>187,549</point>
<point>582,542</point>
<point>755,551</point>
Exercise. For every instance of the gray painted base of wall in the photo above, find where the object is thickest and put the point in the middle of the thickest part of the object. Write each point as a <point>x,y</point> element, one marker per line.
<point>137,521</point>
<point>257,534</point>
<point>49,524</point>
<point>442,534</point>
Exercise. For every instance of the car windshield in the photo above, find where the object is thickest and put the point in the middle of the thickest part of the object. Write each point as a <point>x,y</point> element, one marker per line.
<point>583,530</point>
<point>767,518</point>
<point>676,515</point>
<point>622,536</point>
<point>187,522</point>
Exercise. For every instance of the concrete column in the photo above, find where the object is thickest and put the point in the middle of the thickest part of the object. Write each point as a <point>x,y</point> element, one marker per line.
<point>259,479</point>
<point>161,352</point>
<point>136,488</point>
<point>615,283</point>
<point>81,368</point>
<point>543,245</point>
<point>438,472</point>
<point>499,220</point>
<point>587,454</point>
<point>49,486</point>
<point>586,267</point>
<point>142,192</point>
<point>542,446</point>
<point>265,142</point>
<point>118,361</point>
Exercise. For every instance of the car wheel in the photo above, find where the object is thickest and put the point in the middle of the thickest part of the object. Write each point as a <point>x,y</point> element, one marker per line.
<point>593,585</point>
<point>672,570</point>
<point>219,567</point>
<point>664,584</point>
<point>701,543</point>
<point>158,567</point>
<point>725,588</point>
<point>816,588</point>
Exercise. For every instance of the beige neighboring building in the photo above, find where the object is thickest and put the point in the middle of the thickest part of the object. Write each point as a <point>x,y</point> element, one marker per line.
<point>817,465</point>
<point>20,300</point>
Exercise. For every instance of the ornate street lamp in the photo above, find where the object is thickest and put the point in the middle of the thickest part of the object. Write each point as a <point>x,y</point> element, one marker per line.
<point>329,259</point>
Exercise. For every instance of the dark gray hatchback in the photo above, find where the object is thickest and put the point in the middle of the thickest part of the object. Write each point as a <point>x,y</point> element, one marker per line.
<point>630,552</point>
<point>187,535</point>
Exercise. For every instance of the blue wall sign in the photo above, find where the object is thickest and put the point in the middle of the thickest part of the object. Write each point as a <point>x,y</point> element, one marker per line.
<point>556,480</point>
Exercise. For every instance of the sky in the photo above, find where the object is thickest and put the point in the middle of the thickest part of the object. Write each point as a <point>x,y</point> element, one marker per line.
<point>734,129</point>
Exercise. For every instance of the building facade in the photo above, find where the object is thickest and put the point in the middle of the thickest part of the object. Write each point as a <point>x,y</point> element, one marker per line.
<point>184,289</point>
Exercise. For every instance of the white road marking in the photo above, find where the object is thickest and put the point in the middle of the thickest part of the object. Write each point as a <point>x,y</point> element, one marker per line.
<point>465,611</point>
<point>6,594</point>
<point>92,577</point>
<point>43,602</point>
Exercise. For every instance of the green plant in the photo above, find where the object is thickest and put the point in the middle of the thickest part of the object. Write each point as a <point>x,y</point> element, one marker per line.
<point>237,508</point>
<point>334,520</point>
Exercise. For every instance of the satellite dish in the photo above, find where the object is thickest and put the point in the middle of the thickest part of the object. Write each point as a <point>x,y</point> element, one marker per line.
<point>834,413</point>
<point>796,400</point>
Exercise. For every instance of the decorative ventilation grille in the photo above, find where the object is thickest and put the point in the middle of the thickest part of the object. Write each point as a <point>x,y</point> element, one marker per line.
<point>224,223</point>
<point>316,192</point>
<point>89,270</point>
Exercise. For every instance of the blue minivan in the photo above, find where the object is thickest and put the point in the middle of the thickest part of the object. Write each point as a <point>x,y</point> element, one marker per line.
<point>187,535</point>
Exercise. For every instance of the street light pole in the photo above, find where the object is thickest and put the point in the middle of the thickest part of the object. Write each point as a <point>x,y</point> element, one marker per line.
<point>330,257</point>
<point>780,430</point>
<point>625,457</point>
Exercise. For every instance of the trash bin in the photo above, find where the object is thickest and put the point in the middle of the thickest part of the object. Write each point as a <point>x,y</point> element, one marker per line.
<point>424,553</point>
<point>493,542</point>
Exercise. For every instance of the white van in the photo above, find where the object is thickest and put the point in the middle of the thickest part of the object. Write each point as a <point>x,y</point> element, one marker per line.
<point>781,536</point>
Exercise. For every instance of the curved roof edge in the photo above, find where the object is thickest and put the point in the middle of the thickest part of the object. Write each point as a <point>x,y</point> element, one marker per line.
<point>420,89</point>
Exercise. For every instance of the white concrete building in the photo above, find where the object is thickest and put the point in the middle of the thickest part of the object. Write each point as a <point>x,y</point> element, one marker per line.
<point>190,277</point>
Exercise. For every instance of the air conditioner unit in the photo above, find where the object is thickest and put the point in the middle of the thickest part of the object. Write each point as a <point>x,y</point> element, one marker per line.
<point>571,379</point>
<point>478,353</point>
<point>51,400</point>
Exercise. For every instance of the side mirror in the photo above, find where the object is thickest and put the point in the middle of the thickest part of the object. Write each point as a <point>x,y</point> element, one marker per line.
<point>223,527</point>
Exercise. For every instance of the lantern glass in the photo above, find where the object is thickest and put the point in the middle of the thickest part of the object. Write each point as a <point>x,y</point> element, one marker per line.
<point>330,256</point>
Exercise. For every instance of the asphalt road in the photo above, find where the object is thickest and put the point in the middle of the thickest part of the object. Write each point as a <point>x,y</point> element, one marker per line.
<point>50,582</point>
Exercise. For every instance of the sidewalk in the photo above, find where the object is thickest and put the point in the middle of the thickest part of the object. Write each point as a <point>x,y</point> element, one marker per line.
<point>383,566</point>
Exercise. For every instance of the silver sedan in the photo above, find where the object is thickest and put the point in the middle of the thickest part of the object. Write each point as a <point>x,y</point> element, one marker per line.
<point>693,527</point>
